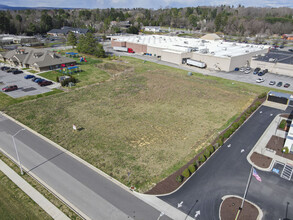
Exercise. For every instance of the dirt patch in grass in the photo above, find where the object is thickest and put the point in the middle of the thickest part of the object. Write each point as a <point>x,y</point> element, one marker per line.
<point>277,143</point>
<point>261,160</point>
<point>149,122</point>
<point>230,207</point>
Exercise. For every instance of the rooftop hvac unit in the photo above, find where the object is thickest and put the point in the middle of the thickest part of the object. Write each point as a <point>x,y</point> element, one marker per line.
<point>234,44</point>
<point>213,53</point>
<point>272,60</point>
<point>247,51</point>
<point>204,51</point>
<point>201,44</point>
<point>186,42</point>
<point>225,48</point>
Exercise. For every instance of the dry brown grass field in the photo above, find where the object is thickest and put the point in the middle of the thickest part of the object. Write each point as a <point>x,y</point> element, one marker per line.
<point>148,119</point>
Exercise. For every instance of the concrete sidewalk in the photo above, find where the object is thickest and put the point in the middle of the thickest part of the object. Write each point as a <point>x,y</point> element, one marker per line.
<point>260,146</point>
<point>47,206</point>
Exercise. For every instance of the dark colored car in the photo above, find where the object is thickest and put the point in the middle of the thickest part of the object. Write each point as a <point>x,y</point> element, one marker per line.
<point>4,67</point>
<point>256,70</point>
<point>9,88</point>
<point>261,73</point>
<point>279,84</point>
<point>11,70</point>
<point>45,83</point>
<point>37,80</point>
<point>286,85</point>
<point>29,76</point>
<point>236,69</point>
<point>17,71</point>
<point>291,50</point>
<point>265,71</point>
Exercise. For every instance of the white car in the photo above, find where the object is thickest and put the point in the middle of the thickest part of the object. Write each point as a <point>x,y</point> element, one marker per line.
<point>260,80</point>
<point>242,69</point>
<point>247,71</point>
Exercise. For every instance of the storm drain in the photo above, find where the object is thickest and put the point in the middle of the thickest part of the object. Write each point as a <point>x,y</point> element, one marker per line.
<point>29,89</point>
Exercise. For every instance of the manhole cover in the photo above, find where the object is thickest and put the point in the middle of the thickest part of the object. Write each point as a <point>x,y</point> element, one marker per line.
<point>29,89</point>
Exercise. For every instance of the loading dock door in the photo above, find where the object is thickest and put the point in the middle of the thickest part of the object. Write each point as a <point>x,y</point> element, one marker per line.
<point>281,100</point>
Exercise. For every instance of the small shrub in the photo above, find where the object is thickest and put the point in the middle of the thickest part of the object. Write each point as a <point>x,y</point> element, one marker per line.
<point>262,95</point>
<point>202,158</point>
<point>179,179</point>
<point>211,149</point>
<point>285,150</point>
<point>57,78</point>
<point>207,153</point>
<point>186,173</point>
<point>220,142</point>
<point>191,168</point>
<point>282,124</point>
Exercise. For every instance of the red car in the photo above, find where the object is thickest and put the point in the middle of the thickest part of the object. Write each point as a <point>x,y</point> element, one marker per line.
<point>10,88</point>
<point>45,83</point>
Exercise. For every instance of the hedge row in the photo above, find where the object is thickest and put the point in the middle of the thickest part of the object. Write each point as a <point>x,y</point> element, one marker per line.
<point>210,149</point>
<point>237,124</point>
<point>193,167</point>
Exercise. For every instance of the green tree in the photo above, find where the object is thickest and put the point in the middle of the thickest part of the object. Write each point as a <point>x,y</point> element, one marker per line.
<point>132,30</point>
<point>71,39</point>
<point>88,44</point>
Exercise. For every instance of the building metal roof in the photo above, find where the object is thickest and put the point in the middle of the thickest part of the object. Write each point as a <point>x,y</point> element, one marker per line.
<point>66,30</point>
<point>217,48</point>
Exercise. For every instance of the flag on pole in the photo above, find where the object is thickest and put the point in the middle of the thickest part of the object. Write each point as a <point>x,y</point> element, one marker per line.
<point>256,175</point>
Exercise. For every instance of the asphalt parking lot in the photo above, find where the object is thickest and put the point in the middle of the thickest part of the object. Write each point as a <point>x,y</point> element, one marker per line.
<point>26,87</point>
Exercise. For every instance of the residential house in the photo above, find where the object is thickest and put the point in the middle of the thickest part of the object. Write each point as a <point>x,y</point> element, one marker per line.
<point>65,30</point>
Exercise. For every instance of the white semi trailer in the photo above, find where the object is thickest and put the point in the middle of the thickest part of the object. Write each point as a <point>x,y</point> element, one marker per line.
<point>123,49</point>
<point>195,63</point>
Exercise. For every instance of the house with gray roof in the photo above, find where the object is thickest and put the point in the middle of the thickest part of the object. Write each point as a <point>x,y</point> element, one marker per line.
<point>37,59</point>
<point>65,30</point>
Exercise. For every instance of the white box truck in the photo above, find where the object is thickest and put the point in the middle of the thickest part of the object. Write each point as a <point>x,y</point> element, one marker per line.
<point>123,49</point>
<point>195,63</point>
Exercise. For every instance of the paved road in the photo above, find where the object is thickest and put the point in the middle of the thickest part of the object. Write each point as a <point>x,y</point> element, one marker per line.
<point>236,75</point>
<point>227,173</point>
<point>90,192</point>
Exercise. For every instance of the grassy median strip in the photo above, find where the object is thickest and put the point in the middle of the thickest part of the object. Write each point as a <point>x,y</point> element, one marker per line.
<point>148,120</point>
<point>15,204</point>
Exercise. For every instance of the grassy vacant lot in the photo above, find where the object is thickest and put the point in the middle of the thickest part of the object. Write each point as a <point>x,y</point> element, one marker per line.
<point>148,120</point>
<point>90,74</point>
<point>15,204</point>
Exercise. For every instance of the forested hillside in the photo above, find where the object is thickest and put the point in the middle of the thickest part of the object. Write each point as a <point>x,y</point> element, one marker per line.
<point>229,20</point>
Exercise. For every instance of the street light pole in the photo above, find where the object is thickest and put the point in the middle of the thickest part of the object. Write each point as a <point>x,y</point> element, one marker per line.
<point>21,171</point>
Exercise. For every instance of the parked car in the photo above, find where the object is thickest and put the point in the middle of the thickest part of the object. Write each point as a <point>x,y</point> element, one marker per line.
<point>45,83</point>
<point>29,76</point>
<point>282,46</point>
<point>11,70</point>
<point>260,80</point>
<point>236,69</point>
<point>247,71</point>
<point>272,83</point>
<point>242,69</point>
<point>256,70</point>
<point>291,50</point>
<point>265,71</point>
<point>286,85</point>
<point>261,73</point>
<point>279,84</point>
<point>4,68</point>
<point>248,68</point>
<point>17,71</point>
<point>9,88</point>
<point>37,80</point>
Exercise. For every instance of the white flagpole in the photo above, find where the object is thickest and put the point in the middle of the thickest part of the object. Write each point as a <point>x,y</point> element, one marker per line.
<point>246,189</point>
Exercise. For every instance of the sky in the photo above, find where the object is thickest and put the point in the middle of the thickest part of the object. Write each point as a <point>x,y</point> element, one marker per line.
<point>155,4</point>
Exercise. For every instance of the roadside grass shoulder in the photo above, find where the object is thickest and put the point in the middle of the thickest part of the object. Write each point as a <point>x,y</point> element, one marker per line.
<point>15,204</point>
<point>6,100</point>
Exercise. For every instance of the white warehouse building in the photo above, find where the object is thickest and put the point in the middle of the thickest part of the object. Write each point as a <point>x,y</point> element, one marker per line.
<point>216,54</point>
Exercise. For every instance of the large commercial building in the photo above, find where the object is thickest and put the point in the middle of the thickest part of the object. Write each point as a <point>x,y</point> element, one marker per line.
<point>216,54</point>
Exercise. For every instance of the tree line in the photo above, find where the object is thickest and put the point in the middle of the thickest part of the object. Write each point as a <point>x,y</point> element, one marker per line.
<point>240,20</point>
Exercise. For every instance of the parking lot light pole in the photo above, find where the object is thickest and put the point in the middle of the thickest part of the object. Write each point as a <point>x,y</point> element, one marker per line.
<point>16,149</point>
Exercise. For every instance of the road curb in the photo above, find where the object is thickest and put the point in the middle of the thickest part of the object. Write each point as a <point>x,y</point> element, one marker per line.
<point>255,147</point>
<point>260,212</point>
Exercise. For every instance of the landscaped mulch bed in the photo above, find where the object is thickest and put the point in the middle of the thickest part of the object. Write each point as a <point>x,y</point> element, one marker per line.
<point>261,160</point>
<point>277,143</point>
<point>230,208</point>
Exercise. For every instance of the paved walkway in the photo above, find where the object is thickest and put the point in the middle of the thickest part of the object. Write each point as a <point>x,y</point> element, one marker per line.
<point>48,207</point>
<point>260,146</point>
